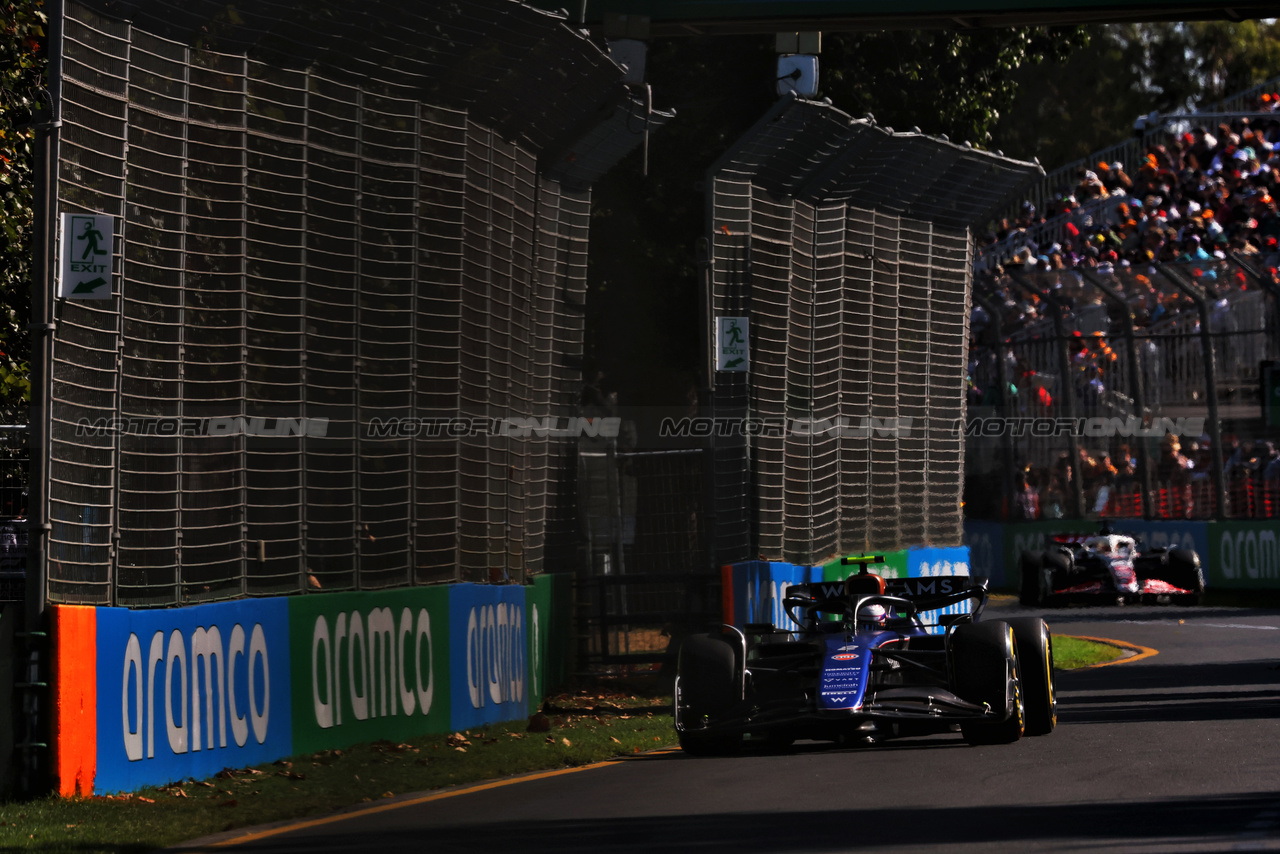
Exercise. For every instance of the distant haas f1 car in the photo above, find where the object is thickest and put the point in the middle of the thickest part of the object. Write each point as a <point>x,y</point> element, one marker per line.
<point>1109,567</point>
<point>864,666</point>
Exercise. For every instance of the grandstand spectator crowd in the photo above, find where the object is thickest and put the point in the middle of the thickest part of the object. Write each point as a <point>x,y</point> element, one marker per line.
<point>1204,193</point>
<point>1203,198</point>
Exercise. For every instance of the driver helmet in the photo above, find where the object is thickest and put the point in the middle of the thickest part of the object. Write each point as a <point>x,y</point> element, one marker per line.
<point>872,615</point>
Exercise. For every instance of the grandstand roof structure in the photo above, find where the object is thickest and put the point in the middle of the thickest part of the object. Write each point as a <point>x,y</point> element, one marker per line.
<point>485,56</point>
<point>813,151</point>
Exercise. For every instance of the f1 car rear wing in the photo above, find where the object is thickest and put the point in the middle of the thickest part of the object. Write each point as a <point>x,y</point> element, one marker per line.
<point>911,598</point>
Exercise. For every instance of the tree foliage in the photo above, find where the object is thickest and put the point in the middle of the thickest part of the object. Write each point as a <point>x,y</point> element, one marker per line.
<point>1068,107</point>
<point>22,74</point>
<point>956,83</point>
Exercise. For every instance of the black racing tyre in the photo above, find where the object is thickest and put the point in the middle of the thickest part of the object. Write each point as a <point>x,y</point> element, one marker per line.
<point>1031,586</point>
<point>984,669</point>
<point>1060,575</point>
<point>707,687</point>
<point>1185,572</point>
<point>1059,565</point>
<point>1035,666</point>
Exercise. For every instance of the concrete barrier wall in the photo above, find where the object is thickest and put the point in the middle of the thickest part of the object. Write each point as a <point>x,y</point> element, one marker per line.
<point>149,697</point>
<point>1234,555</point>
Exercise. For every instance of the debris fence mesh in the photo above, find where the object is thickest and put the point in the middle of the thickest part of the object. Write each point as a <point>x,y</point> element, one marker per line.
<point>334,284</point>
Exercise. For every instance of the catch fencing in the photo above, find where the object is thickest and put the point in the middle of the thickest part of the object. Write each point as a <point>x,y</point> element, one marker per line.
<point>847,249</point>
<point>1081,376</point>
<point>645,580</point>
<point>342,348</point>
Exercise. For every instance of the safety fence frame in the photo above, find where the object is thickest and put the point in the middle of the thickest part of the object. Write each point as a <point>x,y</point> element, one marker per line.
<point>847,248</point>
<point>347,294</point>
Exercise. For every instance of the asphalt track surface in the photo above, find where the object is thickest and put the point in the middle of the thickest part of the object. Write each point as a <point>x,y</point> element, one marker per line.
<point>1175,750</point>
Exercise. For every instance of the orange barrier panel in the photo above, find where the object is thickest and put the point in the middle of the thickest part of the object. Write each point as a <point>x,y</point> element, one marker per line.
<point>74,695</point>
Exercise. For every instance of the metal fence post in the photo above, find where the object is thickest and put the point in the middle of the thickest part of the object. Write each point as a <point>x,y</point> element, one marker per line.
<point>1002,378</point>
<point>707,393</point>
<point>1068,392</point>
<point>1135,380</point>
<point>1211,390</point>
<point>34,648</point>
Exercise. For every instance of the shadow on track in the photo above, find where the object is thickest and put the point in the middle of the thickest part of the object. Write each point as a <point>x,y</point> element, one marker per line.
<point>1155,692</point>
<point>1203,820</point>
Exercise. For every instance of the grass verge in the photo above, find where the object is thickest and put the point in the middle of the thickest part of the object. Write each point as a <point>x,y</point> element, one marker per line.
<point>1070,653</point>
<point>578,728</point>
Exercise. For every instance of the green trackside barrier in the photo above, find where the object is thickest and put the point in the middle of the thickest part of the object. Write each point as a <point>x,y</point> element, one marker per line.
<point>338,698</point>
<point>548,618</point>
<point>895,566</point>
<point>1243,555</point>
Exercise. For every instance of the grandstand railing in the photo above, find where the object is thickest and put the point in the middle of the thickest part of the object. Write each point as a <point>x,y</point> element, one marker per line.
<point>1093,215</point>
<point>1251,495</point>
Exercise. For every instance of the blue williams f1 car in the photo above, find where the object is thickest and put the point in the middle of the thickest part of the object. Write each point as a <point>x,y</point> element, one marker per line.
<point>864,666</point>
